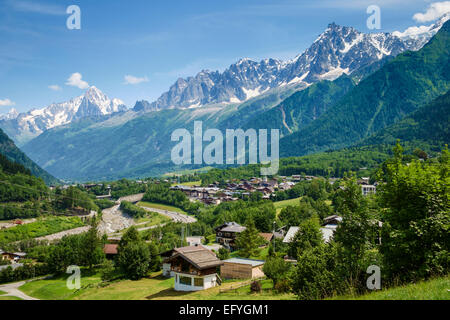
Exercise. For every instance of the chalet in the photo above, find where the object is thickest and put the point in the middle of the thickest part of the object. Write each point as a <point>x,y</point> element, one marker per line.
<point>238,268</point>
<point>280,233</point>
<point>194,267</point>
<point>368,189</point>
<point>13,257</point>
<point>328,229</point>
<point>192,241</point>
<point>226,234</point>
<point>110,250</point>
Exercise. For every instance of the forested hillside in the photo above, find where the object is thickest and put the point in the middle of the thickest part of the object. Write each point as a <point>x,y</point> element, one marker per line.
<point>9,149</point>
<point>429,125</point>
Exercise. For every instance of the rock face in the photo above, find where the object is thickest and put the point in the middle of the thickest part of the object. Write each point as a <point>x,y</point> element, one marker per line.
<point>25,126</point>
<point>336,51</point>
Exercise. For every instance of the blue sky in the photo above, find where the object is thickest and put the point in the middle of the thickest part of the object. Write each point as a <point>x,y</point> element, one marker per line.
<point>155,42</point>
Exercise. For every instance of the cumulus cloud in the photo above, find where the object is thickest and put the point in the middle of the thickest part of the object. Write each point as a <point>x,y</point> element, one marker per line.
<point>55,87</point>
<point>433,12</point>
<point>129,79</point>
<point>75,80</point>
<point>6,103</point>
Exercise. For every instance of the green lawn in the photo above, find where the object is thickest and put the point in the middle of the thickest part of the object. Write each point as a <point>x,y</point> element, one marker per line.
<point>152,288</point>
<point>151,219</point>
<point>279,205</point>
<point>263,253</point>
<point>43,227</point>
<point>56,288</point>
<point>2,292</point>
<point>9,298</point>
<point>161,207</point>
<point>436,289</point>
<point>188,184</point>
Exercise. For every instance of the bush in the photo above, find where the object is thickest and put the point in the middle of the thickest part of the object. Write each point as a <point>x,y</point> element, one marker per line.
<point>255,287</point>
<point>27,271</point>
<point>282,286</point>
<point>315,274</point>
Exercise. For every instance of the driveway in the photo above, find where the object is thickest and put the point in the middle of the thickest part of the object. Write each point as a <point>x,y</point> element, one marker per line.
<point>12,289</point>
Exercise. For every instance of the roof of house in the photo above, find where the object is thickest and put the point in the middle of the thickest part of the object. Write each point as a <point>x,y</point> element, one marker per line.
<point>290,234</point>
<point>230,227</point>
<point>266,236</point>
<point>327,233</point>
<point>110,248</point>
<point>332,220</point>
<point>200,257</point>
<point>253,263</point>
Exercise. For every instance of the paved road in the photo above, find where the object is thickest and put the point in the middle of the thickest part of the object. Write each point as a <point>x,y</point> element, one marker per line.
<point>12,289</point>
<point>175,216</point>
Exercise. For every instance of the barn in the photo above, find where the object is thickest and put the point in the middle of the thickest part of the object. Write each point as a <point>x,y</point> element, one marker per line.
<point>239,268</point>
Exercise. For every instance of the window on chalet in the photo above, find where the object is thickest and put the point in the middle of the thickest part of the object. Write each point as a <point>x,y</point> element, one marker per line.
<point>198,282</point>
<point>185,280</point>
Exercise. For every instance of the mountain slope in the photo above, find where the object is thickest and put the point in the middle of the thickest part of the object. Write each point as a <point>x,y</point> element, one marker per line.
<point>396,90</point>
<point>134,144</point>
<point>9,149</point>
<point>25,126</point>
<point>429,124</point>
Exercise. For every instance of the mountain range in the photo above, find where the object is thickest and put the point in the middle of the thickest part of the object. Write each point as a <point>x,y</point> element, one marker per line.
<point>344,88</point>
<point>338,50</point>
<point>26,126</point>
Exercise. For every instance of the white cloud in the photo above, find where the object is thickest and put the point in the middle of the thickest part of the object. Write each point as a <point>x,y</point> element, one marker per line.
<point>433,12</point>
<point>129,79</point>
<point>55,87</point>
<point>75,81</point>
<point>6,103</point>
<point>412,31</point>
<point>28,6</point>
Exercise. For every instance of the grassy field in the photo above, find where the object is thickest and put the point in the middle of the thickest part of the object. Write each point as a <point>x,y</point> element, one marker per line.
<point>56,288</point>
<point>188,184</point>
<point>43,227</point>
<point>153,288</point>
<point>151,220</point>
<point>279,205</point>
<point>157,287</point>
<point>161,206</point>
<point>436,289</point>
<point>2,292</point>
<point>263,253</point>
<point>8,298</point>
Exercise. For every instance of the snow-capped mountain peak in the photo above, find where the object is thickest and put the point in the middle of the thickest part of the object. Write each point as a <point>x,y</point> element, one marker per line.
<point>419,36</point>
<point>32,123</point>
<point>12,114</point>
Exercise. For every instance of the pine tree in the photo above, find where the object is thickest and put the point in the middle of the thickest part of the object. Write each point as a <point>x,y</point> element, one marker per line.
<point>249,240</point>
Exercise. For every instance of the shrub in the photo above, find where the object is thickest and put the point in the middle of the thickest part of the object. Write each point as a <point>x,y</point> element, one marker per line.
<point>255,287</point>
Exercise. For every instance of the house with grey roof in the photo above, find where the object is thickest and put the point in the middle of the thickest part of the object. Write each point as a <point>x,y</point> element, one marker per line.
<point>227,233</point>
